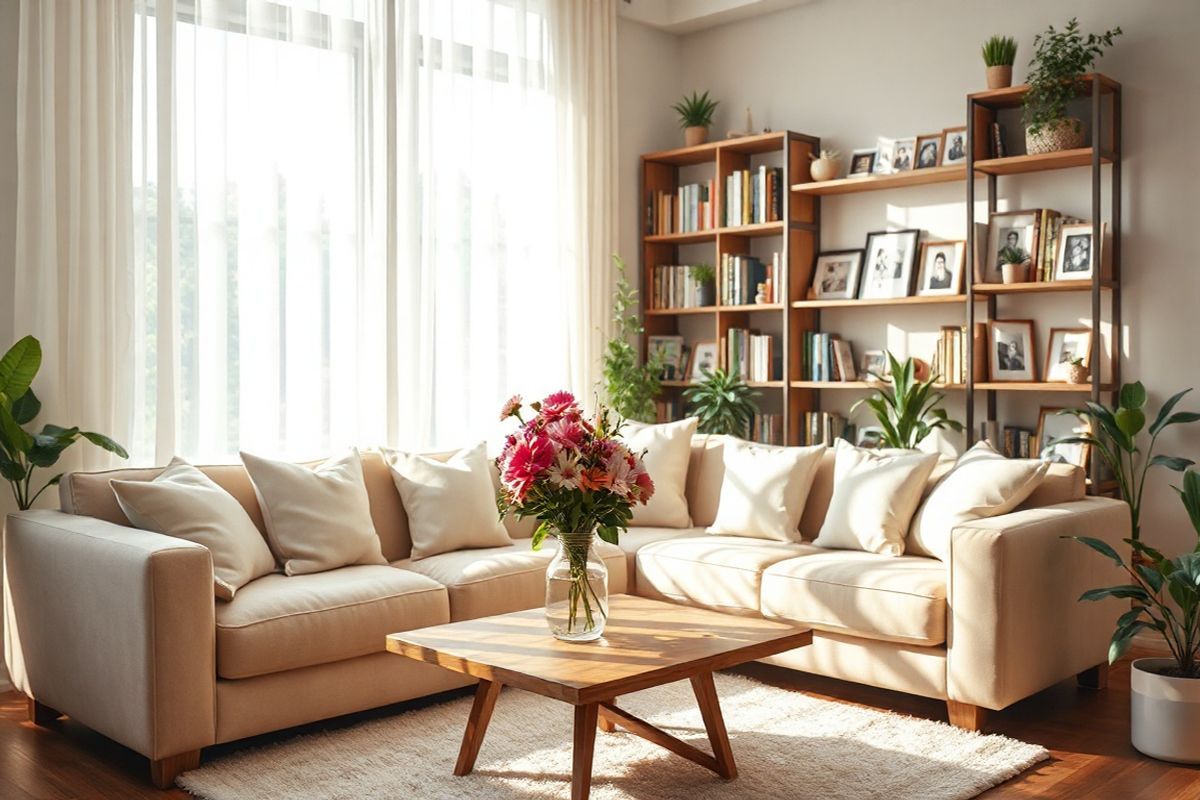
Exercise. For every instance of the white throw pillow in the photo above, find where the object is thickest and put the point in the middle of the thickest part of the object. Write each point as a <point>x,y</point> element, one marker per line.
<point>668,450</point>
<point>451,504</point>
<point>982,484</point>
<point>764,490</point>
<point>185,503</point>
<point>874,498</point>
<point>317,519</point>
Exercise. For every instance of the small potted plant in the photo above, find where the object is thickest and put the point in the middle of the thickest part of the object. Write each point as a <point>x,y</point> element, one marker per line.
<point>695,117</point>
<point>723,403</point>
<point>1060,60</point>
<point>826,166</point>
<point>1013,264</point>
<point>706,284</point>
<point>911,409</point>
<point>999,53</point>
<point>1077,372</point>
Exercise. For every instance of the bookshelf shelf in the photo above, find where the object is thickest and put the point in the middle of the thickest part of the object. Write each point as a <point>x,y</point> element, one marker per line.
<point>1040,287</point>
<point>672,312</point>
<point>1038,386</point>
<point>1063,159</point>
<point>860,385</point>
<point>888,301</point>
<point>1014,96</point>
<point>876,183</point>
<point>703,153</point>
<point>698,237</point>
<point>750,308</point>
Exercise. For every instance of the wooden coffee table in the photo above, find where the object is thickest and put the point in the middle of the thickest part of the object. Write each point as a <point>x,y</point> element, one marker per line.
<point>646,643</point>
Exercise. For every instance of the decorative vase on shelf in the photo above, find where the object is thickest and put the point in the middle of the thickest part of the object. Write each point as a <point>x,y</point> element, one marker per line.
<point>1078,373</point>
<point>706,294</point>
<point>1061,134</point>
<point>825,168</point>
<point>576,589</point>
<point>999,76</point>
<point>695,134</point>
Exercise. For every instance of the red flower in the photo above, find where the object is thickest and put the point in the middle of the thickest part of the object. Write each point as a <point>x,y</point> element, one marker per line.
<point>559,404</point>
<point>529,457</point>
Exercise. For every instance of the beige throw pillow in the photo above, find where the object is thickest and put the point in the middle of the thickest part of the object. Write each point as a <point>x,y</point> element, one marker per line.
<point>982,484</point>
<point>185,503</point>
<point>764,490</point>
<point>317,519</point>
<point>668,449</point>
<point>874,498</point>
<point>451,504</point>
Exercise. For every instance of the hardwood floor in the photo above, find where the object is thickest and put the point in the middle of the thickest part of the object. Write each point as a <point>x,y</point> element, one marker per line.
<point>1086,730</point>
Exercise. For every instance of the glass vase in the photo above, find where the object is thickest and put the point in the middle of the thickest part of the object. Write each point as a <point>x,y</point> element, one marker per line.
<point>576,589</point>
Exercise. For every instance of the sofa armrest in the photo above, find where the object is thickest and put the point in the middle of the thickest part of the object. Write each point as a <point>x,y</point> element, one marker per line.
<point>1016,622</point>
<point>114,627</point>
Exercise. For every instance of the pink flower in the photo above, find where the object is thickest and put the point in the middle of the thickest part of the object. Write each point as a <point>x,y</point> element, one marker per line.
<point>645,486</point>
<point>511,408</point>
<point>526,461</point>
<point>566,432</point>
<point>559,404</point>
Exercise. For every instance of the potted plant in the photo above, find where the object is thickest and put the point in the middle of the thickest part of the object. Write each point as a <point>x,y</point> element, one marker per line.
<point>723,403</point>
<point>1077,372</point>
<point>1165,692</point>
<point>826,166</point>
<point>695,117</point>
<point>706,284</point>
<point>1013,263</point>
<point>999,53</point>
<point>1060,60</point>
<point>21,452</point>
<point>910,410</point>
<point>629,383</point>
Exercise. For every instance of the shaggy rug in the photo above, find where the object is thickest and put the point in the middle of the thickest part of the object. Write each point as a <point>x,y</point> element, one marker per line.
<point>787,746</point>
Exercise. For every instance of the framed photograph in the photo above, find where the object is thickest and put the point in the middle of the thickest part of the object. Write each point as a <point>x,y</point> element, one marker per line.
<point>885,151</point>
<point>890,260</point>
<point>954,145</point>
<point>1010,350</point>
<point>929,150</point>
<point>670,350</point>
<point>862,162</point>
<point>1006,229</point>
<point>874,365</point>
<point>704,360</point>
<point>941,268</point>
<point>835,274</point>
<point>1052,427</point>
<point>869,437</point>
<point>1066,345</point>
<point>1077,254</point>
<point>904,154</point>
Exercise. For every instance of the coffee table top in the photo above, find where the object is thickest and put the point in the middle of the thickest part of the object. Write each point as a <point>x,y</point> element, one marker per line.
<point>646,643</point>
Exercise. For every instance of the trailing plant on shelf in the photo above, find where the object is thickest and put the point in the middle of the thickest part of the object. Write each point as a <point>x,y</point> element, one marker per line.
<point>629,383</point>
<point>999,53</point>
<point>1114,435</point>
<point>695,117</point>
<point>723,403</point>
<point>909,410</point>
<point>1059,60</point>
<point>21,451</point>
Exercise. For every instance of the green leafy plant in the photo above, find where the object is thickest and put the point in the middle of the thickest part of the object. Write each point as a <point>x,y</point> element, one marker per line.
<point>1114,435</point>
<point>1059,60</point>
<point>1000,51</point>
<point>1011,255</point>
<point>629,383</point>
<point>695,111</point>
<point>910,410</point>
<point>22,452</point>
<point>702,273</point>
<point>1156,582</point>
<point>723,403</point>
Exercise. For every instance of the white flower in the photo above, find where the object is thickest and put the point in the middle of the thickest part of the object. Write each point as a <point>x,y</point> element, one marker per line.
<point>564,471</point>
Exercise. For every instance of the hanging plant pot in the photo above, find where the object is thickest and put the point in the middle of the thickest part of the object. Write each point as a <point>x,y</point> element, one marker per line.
<point>1061,134</point>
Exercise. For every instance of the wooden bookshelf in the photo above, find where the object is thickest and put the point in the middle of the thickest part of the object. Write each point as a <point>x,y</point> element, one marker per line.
<point>875,183</point>
<point>1038,386</point>
<point>939,300</point>
<point>1040,287</point>
<point>860,385</point>
<point>1064,159</point>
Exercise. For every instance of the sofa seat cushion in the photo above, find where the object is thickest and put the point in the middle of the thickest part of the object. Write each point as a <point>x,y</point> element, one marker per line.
<point>497,580</point>
<point>278,623</point>
<point>638,537</point>
<point>893,598</point>
<point>723,573</point>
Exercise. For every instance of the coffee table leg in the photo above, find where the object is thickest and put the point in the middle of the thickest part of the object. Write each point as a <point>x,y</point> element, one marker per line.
<point>477,724</point>
<point>714,723</point>
<point>606,724</point>
<point>584,745</point>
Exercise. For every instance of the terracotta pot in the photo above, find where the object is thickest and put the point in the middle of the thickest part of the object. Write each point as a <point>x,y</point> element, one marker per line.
<point>999,77</point>
<point>694,135</point>
<point>1078,373</point>
<point>1164,712</point>
<point>825,169</point>
<point>1062,134</point>
<point>1014,273</point>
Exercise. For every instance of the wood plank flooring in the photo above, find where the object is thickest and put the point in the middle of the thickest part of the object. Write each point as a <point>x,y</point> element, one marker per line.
<point>1086,730</point>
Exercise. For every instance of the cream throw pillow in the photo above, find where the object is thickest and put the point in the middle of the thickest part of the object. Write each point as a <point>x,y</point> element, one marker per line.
<point>764,490</point>
<point>874,497</point>
<point>451,504</point>
<point>185,503</point>
<point>982,484</point>
<point>668,450</point>
<point>317,519</point>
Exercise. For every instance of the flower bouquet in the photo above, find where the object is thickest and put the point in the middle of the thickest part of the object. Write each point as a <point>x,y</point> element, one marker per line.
<point>578,479</point>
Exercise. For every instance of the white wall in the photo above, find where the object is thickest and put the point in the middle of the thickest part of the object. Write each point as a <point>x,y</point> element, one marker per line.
<point>851,70</point>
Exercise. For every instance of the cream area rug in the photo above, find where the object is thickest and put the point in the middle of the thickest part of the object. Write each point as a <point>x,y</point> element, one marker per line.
<point>787,746</point>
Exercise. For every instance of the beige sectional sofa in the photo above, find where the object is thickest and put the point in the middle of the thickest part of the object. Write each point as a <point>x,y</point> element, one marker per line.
<point>118,628</point>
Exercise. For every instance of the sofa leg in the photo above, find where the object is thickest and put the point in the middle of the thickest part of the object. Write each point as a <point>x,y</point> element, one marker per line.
<point>41,714</point>
<point>1094,677</point>
<point>164,771</point>
<point>965,715</point>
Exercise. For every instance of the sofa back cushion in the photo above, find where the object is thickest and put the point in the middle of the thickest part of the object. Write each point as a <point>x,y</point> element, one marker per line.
<point>1064,483</point>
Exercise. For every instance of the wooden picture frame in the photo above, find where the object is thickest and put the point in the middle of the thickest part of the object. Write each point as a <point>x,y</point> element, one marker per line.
<point>1057,357</point>
<point>950,282</point>
<point>949,154</point>
<point>1016,337</point>
<point>928,140</point>
<point>704,356</point>
<point>837,284</point>
<point>1052,425</point>
<point>889,266</point>
<point>1072,238</point>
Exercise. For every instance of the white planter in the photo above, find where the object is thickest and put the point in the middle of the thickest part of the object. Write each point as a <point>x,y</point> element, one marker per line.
<point>1164,713</point>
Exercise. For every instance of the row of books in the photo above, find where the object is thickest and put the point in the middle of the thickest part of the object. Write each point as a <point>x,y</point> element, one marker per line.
<point>767,428</point>
<point>950,354</point>
<point>826,357</point>
<point>1013,441</point>
<point>674,286</point>
<point>823,427</point>
<point>752,355</point>
<point>689,208</point>
<point>743,276</point>
<point>754,196</point>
